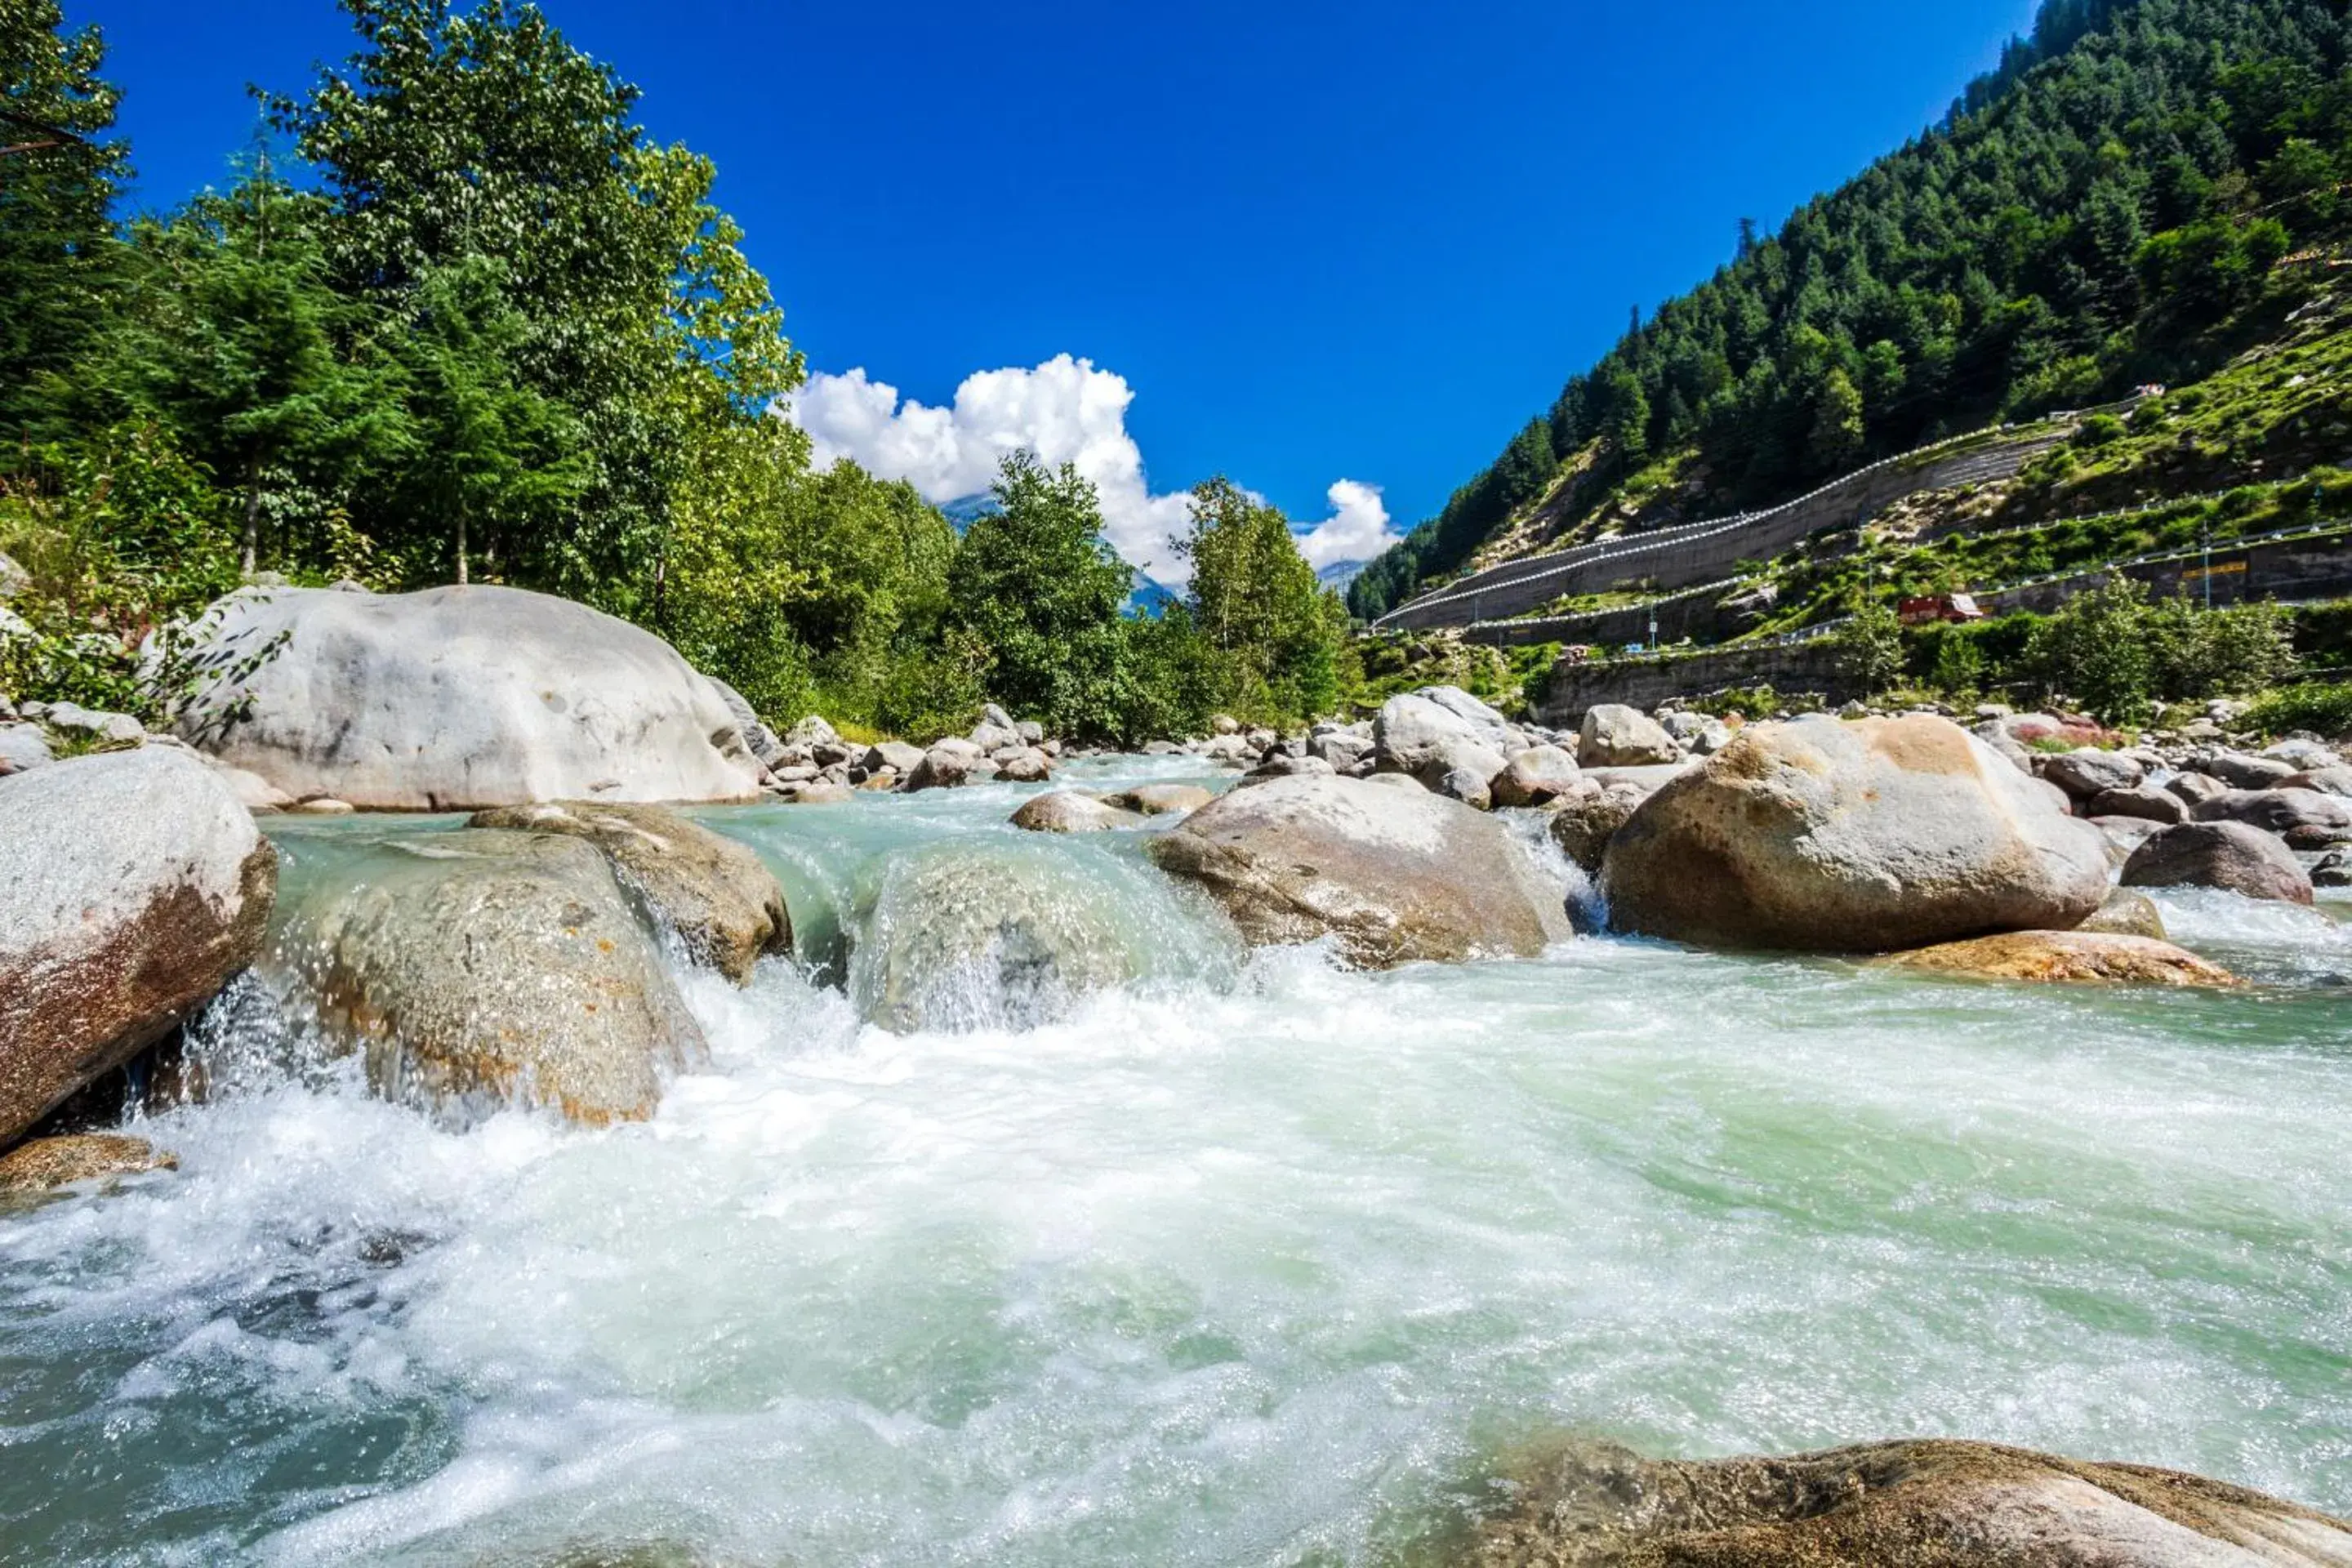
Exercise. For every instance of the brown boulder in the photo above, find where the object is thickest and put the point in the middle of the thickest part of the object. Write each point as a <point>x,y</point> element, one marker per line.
<point>1928,1503</point>
<point>44,1164</point>
<point>1852,838</point>
<point>2226,855</point>
<point>2066,955</point>
<point>720,899</point>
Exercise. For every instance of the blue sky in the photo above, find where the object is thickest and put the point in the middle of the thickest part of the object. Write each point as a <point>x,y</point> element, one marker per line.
<point>1315,241</point>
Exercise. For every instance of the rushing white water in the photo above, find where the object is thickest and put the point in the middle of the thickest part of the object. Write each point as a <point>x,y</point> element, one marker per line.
<point>1255,1261</point>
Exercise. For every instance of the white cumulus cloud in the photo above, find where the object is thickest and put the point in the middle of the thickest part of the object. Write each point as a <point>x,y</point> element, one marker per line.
<point>1357,530</point>
<point>1065,410</point>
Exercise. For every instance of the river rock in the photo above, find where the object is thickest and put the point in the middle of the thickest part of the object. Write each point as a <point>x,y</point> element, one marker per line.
<point>892,756</point>
<point>1162,799</point>
<point>1615,736</point>
<point>44,1164</point>
<point>718,896</point>
<point>1343,749</point>
<point>2127,913</point>
<point>2195,789</point>
<point>24,747</point>
<point>1066,811</point>
<point>2336,779</point>
<point>93,724</point>
<point>1931,1503</point>
<point>1861,837</point>
<point>254,791</point>
<point>1023,764</point>
<point>2305,818</point>
<point>971,936</point>
<point>1536,776</point>
<point>1393,874</point>
<point>948,764</point>
<point>758,739</point>
<point>2090,772</point>
<point>488,969</point>
<point>2067,955</point>
<point>1416,734</point>
<point>457,699</point>
<point>2240,771</point>
<point>132,886</point>
<point>1582,823</point>
<point>2138,800</point>
<point>2334,870</point>
<point>2226,855</point>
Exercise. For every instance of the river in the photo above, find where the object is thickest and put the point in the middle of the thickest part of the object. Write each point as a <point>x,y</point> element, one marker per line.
<point>1255,1261</point>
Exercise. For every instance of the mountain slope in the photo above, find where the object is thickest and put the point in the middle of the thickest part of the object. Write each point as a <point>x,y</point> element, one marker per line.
<point>2108,208</point>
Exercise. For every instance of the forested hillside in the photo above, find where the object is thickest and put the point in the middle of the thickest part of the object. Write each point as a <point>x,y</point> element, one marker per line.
<point>2124,200</point>
<point>458,317</point>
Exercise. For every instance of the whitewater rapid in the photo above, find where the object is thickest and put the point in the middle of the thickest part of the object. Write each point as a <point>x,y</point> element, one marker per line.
<point>1256,1262</point>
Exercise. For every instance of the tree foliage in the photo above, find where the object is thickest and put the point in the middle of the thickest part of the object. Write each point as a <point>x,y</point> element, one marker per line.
<point>2088,216</point>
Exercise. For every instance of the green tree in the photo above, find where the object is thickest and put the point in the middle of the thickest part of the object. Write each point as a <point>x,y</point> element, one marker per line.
<point>1257,607</point>
<point>1837,435</point>
<point>59,173</point>
<point>2093,650</point>
<point>1870,648</point>
<point>1038,587</point>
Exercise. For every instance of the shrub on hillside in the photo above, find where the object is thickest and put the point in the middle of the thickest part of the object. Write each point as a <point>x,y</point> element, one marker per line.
<point>2323,707</point>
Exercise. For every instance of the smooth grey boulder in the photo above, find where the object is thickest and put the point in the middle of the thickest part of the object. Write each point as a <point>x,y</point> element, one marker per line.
<point>758,739</point>
<point>2195,789</point>
<point>1856,836</point>
<point>2304,756</point>
<point>2088,773</point>
<point>2305,818</point>
<point>457,699</point>
<point>893,756</point>
<point>486,969</point>
<point>2226,855</point>
<point>1535,777</point>
<point>719,897</point>
<point>1927,1503</point>
<point>2336,779</point>
<point>1066,811</point>
<point>113,729</point>
<point>23,747</point>
<point>2127,913</point>
<point>1396,875</point>
<point>1448,753</point>
<point>1025,765</point>
<point>1615,736</point>
<point>132,886</point>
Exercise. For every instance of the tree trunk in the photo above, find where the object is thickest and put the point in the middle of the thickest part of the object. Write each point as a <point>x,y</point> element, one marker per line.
<point>252,515</point>
<point>461,547</point>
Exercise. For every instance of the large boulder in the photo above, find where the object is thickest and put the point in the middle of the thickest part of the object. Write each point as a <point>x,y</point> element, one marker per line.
<point>758,739</point>
<point>2334,779</point>
<point>24,747</point>
<point>2305,818</point>
<point>1395,875</point>
<point>457,699</point>
<point>2091,771</point>
<point>1934,1503</point>
<point>2226,855</point>
<point>1847,837</point>
<point>1537,776</point>
<point>2066,955</point>
<point>2240,771</point>
<point>1066,811</point>
<point>1448,753</point>
<point>1615,736</point>
<point>719,897</point>
<point>488,969</point>
<point>132,886</point>
<point>1002,935</point>
<point>1582,823</point>
<point>2149,805</point>
<point>948,764</point>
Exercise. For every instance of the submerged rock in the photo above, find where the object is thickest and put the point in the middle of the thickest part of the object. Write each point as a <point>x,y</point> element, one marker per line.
<point>2226,855</point>
<point>2067,955</point>
<point>1396,875</point>
<point>1160,799</point>
<point>1932,1503</point>
<point>718,896</point>
<point>486,969</point>
<point>132,886</point>
<point>44,1164</point>
<point>457,699</point>
<point>1852,838</point>
<point>1009,935</point>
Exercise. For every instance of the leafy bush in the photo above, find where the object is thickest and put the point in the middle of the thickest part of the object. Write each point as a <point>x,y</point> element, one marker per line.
<point>2323,707</point>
